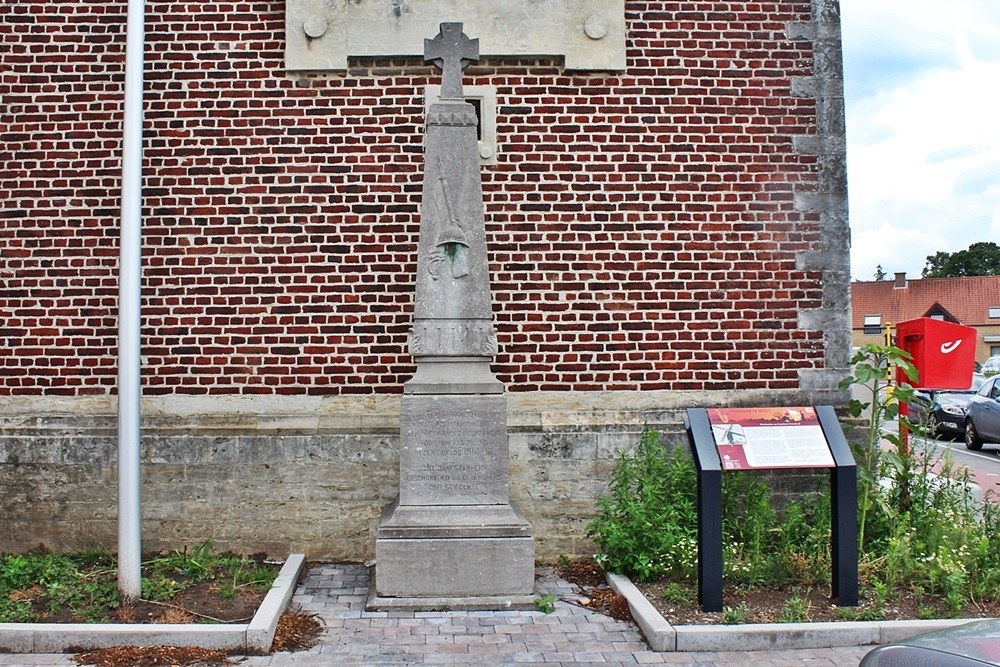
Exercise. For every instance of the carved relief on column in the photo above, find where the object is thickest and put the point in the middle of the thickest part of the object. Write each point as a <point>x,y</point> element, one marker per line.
<point>431,338</point>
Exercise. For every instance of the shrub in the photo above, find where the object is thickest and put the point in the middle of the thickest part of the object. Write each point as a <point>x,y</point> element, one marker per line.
<point>647,525</point>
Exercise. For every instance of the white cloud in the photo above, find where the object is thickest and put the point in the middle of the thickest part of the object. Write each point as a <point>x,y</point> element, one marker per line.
<point>923,102</point>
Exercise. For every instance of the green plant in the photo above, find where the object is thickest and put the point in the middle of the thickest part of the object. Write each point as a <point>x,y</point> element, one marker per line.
<point>848,613</point>
<point>96,556</point>
<point>881,590</point>
<point>926,612</point>
<point>83,586</point>
<point>160,588</point>
<point>872,371</point>
<point>44,569</point>
<point>802,549</point>
<point>795,609</point>
<point>919,524</point>
<point>194,566</point>
<point>677,593</point>
<point>734,615</point>
<point>227,589</point>
<point>236,574</point>
<point>860,614</point>
<point>56,580</point>
<point>546,603</point>
<point>259,578</point>
<point>646,527</point>
<point>16,611</point>
<point>748,520</point>
<point>15,572</point>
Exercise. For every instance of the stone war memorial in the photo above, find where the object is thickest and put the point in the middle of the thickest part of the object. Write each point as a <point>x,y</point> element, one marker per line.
<point>452,538</point>
<point>413,272</point>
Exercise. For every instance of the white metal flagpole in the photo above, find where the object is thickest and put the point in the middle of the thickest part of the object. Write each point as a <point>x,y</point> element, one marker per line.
<point>129,286</point>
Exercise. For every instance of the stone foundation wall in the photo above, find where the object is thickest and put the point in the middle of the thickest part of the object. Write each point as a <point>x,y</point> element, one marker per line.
<point>288,474</point>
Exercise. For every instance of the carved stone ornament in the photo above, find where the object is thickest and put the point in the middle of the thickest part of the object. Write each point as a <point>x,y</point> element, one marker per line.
<point>443,338</point>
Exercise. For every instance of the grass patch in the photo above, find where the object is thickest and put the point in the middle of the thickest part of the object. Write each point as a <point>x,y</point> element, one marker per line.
<point>83,587</point>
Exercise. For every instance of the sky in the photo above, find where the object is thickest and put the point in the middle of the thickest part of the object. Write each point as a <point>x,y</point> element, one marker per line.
<point>922,90</point>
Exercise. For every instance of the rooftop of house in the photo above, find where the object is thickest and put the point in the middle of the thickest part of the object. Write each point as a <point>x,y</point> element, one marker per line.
<point>966,300</point>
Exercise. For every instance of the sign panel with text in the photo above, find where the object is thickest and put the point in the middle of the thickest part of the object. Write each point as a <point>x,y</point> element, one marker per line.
<point>767,438</point>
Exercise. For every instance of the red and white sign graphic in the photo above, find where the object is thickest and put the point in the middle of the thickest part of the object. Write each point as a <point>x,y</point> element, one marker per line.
<point>764,438</point>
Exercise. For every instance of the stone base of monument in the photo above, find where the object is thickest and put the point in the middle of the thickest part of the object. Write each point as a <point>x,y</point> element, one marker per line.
<point>453,557</point>
<point>452,539</point>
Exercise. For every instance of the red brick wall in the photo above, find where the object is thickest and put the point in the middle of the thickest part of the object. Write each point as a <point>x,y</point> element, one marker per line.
<point>642,226</point>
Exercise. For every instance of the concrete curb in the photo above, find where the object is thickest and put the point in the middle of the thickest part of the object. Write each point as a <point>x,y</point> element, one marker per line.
<point>260,630</point>
<point>764,637</point>
<point>255,637</point>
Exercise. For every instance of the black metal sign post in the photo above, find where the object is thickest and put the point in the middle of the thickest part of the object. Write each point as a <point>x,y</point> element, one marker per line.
<point>843,509</point>
<point>706,460</point>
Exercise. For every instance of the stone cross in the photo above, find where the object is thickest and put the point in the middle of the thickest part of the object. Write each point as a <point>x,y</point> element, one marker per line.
<point>452,51</point>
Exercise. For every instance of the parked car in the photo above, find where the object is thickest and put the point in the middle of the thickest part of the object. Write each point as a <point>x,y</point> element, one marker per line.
<point>982,418</point>
<point>968,645</point>
<point>942,411</point>
<point>991,366</point>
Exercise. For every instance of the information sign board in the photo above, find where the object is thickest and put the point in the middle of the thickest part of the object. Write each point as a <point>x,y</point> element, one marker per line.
<point>767,438</point>
<point>744,438</point>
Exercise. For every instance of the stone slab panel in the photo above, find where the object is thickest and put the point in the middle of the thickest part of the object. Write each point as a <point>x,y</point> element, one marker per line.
<point>70,636</point>
<point>771,636</point>
<point>16,638</point>
<point>451,304</point>
<point>658,632</point>
<point>452,521</point>
<point>894,631</point>
<point>440,568</point>
<point>321,493</point>
<point>260,631</point>
<point>590,34</point>
<point>480,603</point>
<point>453,450</point>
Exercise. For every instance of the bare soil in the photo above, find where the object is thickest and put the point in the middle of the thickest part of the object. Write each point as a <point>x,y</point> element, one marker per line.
<point>769,605</point>
<point>199,604</point>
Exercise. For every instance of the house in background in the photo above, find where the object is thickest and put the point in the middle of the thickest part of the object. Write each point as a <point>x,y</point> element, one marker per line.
<point>973,301</point>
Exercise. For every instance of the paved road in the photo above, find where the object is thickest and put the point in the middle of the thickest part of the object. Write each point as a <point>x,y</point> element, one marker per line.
<point>570,636</point>
<point>984,465</point>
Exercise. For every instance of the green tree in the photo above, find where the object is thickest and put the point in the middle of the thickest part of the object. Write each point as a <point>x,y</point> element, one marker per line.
<point>980,259</point>
<point>879,273</point>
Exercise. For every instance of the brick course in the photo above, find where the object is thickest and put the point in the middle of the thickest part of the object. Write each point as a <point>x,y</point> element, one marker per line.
<point>642,227</point>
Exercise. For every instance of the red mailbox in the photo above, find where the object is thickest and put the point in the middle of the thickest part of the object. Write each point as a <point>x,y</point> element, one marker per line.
<point>944,353</point>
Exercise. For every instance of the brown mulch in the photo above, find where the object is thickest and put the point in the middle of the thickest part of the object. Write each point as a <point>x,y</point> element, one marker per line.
<point>597,595</point>
<point>152,656</point>
<point>761,605</point>
<point>295,632</point>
